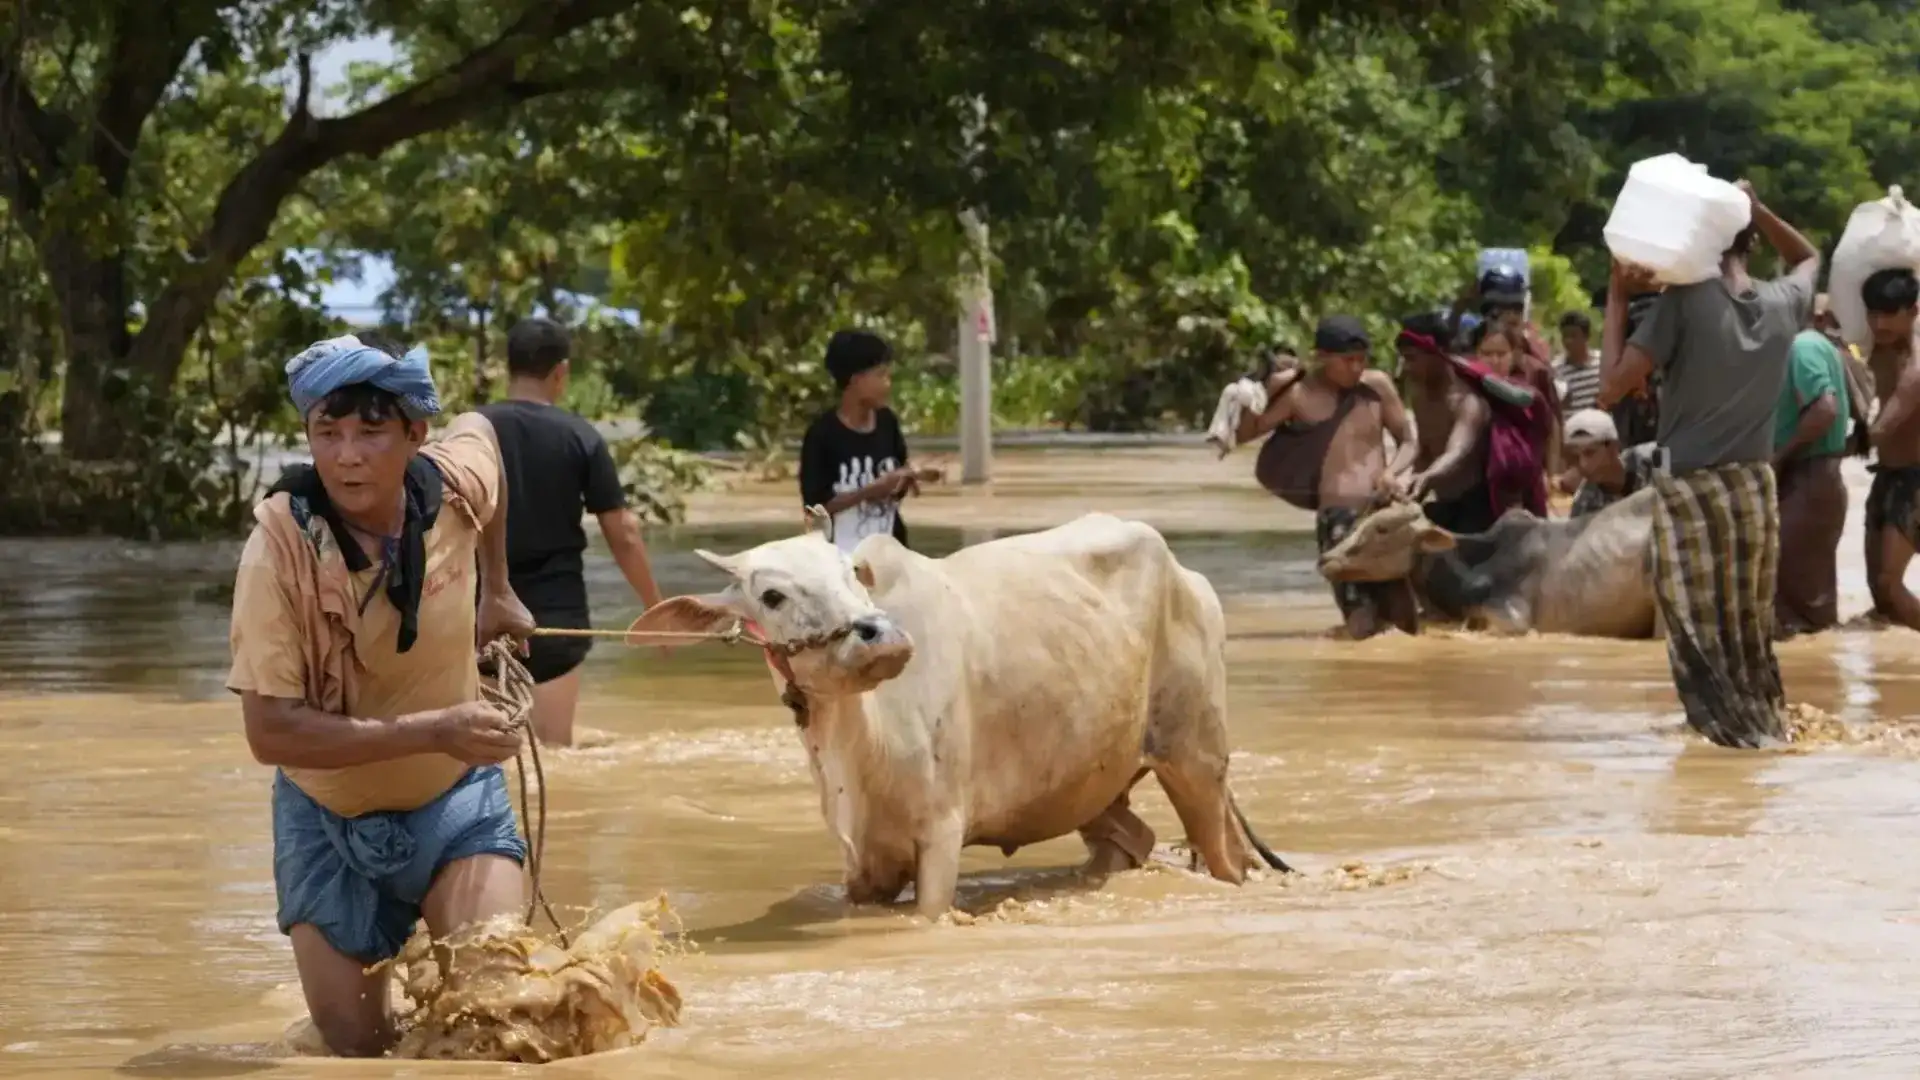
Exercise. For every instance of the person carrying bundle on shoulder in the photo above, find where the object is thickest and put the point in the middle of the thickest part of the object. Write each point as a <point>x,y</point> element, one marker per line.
<point>1326,425</point>
<point>1893,503</point>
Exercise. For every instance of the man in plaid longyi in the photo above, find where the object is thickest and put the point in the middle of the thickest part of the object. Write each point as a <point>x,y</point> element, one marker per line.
<point>1720,348</point>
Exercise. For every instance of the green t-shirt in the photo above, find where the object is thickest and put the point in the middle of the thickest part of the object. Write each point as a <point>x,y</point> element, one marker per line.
<point>1813,369</point>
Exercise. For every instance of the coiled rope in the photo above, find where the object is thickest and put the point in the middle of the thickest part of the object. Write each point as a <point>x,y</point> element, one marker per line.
<point>511,691</point>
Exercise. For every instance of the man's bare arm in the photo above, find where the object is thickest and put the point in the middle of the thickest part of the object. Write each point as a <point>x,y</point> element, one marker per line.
<point>1394,417</point>
<point>629,547</point>
<point>1815,419</point>
<point>281,731</point>
<point>1797,253</point>
<point>500,614</point>
<point>1468,425</point>
<point>493,535</point>
<point>1624,368</point>
<point>1279,408</point>
<point>1900,408</point>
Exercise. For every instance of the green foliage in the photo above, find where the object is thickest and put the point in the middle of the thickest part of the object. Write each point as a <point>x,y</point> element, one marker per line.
<point>657,478</point>
<point>1171,189</point>
<point>1029,393</point>
<point>1557,289</point>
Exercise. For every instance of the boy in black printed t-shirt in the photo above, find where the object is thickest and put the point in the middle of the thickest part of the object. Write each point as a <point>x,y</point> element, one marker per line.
<point>853,461</point>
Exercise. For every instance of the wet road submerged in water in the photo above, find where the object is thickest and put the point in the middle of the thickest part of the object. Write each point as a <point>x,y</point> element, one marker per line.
<point>1555,881</point>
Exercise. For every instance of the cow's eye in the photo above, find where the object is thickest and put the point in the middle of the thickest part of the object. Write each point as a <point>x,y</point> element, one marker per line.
<point>772,599</point>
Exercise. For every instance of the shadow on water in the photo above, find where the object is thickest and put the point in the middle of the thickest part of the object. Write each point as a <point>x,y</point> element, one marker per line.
<point>191,1062</point>
<point>97,615</point>
<point>794,920</point>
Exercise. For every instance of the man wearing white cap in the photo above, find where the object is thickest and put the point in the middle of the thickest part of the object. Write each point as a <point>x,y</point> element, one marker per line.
<point>1607,473</point>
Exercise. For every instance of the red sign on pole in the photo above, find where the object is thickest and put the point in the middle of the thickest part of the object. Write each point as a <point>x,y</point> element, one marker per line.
<point>983,320</point>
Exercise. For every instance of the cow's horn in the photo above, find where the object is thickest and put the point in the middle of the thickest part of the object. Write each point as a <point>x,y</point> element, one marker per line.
<point>819,520</point>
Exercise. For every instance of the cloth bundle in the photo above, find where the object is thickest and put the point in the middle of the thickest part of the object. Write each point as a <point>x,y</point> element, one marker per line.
<point>1243,396</point>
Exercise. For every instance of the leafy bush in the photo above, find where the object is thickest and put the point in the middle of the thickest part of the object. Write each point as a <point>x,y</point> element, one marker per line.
<point>657,478</point>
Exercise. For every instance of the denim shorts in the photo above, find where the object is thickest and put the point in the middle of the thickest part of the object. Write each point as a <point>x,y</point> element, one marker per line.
<point>360,881</point>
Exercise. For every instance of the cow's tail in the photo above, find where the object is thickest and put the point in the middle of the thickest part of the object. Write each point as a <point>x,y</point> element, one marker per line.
<point>1266,853</point>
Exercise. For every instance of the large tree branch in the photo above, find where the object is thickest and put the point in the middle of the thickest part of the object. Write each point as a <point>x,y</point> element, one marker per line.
<point>150,43</point>
<point>482,80</point>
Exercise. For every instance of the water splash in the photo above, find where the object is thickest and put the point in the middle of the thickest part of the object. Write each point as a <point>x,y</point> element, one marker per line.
<point>509,994</point>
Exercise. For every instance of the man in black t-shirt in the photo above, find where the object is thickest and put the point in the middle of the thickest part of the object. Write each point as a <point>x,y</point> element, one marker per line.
<point>557,466</point>
<point>853,461</point>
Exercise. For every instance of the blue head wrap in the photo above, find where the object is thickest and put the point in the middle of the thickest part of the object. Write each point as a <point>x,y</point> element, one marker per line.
<point>326,366</point>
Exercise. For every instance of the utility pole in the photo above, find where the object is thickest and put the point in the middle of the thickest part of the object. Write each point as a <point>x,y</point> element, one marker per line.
<point>975,344</point>
<point>976,355</point>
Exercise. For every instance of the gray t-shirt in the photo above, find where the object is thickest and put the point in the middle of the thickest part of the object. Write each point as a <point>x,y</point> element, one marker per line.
<point>1722,361</point>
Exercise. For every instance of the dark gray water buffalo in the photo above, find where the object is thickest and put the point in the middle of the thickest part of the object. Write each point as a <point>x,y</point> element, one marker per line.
<point>1585,576</point>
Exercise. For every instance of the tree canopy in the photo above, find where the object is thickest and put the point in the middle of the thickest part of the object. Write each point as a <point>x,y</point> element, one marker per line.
<point>1171,186</point>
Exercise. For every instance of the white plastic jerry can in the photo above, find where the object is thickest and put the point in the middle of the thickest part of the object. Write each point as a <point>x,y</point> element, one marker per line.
<point>1675,219</point>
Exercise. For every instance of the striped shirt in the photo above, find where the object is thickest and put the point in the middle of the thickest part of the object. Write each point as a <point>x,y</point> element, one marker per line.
<point>1582,385</point>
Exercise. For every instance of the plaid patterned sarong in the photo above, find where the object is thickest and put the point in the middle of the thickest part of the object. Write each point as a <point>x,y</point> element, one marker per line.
<point>1715,554</point>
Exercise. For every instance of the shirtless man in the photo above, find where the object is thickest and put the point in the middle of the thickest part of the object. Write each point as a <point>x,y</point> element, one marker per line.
<point>1327,452</point>
<point>1451,419</point>
<point>1893,503</point>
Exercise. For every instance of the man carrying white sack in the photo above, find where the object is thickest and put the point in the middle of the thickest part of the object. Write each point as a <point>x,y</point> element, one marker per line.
<point>1892,300</point>
<point>1721,349</point>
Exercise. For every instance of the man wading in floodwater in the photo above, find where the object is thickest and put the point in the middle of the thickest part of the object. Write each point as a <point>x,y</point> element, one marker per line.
<point>353,655</point>
<point>559,468</point>
<point>1721,350</point>
<point>1327,454</point>
<point>1481,428</point>
<point>1893,505</point>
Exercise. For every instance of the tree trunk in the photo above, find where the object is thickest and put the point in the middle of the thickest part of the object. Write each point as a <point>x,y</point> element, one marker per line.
<point>102,409</point>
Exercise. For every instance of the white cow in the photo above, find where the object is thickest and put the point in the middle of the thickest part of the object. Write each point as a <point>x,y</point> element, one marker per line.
<point>1010,693</point>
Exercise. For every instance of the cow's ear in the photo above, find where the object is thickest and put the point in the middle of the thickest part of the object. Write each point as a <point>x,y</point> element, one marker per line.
<point>863,573</point>
<point>1434,538</point>
<point>684,620</point>
<point>726,564</point>
<point>819,521</point>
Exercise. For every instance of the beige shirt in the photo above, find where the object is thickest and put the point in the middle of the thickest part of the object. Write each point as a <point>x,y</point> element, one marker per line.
<point>280,609</point>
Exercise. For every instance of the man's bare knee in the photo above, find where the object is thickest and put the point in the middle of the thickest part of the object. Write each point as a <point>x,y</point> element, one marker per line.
<point>348,1033</point>
<point>348,1006</point>
<point>472,890</point>
<point>554,705</point>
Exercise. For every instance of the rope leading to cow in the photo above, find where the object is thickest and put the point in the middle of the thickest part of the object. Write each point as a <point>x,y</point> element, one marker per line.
<point>779,653</point>
<point>511,691</point>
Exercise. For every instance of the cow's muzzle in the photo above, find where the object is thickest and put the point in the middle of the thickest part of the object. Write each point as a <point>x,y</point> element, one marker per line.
<point>876,649</point>
<point>1335,569</point>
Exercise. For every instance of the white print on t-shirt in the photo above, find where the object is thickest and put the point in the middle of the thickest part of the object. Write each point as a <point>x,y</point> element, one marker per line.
<point>856,523</point>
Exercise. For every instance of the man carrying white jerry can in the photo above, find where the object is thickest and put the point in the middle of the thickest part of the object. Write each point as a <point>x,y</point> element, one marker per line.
<point>1720,341</point>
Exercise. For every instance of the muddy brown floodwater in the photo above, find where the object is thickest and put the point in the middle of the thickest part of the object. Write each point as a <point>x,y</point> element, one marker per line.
<point>1515,863</point>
